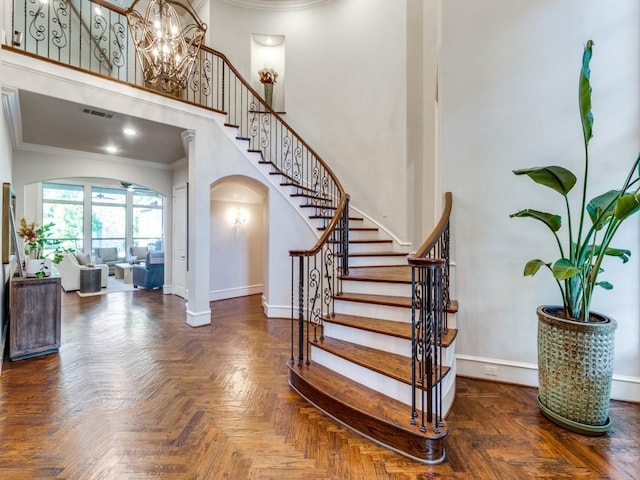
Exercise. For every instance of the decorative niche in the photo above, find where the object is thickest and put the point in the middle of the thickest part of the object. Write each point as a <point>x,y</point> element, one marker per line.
<point>267,52</point>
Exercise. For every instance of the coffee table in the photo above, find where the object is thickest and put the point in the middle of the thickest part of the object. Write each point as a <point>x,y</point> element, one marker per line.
<point>124,271</point>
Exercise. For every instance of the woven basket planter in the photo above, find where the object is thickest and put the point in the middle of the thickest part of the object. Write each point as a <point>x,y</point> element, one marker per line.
<point>575,366</point>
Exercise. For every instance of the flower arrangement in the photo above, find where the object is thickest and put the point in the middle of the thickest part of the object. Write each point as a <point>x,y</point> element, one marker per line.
<point>268,75</point>
<point>36,239</point>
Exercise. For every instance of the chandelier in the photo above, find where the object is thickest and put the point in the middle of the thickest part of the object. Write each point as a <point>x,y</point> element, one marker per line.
<point>166,50</point>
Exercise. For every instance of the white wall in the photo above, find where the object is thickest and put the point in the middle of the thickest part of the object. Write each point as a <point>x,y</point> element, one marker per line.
<point>509,97</point>
<point>6,155</point>
<point>345,90</point>
<point>237,249</point>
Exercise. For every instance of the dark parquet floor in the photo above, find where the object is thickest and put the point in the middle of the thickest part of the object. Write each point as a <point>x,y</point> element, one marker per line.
<point>135,393</point>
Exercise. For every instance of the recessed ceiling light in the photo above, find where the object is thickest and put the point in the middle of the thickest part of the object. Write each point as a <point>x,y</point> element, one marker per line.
<point>111,149</point>
<point>130,132</point>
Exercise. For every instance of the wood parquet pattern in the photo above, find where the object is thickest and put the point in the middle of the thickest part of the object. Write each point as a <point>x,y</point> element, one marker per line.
<point>135,393</point>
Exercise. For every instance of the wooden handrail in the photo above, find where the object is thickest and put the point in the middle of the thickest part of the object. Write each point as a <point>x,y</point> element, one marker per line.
<point>274,113</point>
<point>328,231</point>
<point>437,231</point>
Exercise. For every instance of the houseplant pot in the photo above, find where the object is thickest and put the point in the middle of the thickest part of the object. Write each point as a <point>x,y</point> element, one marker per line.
<point>37,267</point>
<point>575,367</point>
<point>575,345</point>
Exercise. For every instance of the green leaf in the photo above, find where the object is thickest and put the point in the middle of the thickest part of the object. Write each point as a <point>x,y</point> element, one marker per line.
<point>626,206</point>
<point>618,252</point>
<point>532,267</point>
<point>605,285</point>
<point>601,208</point>
<point>584,94</point>
<point>563,269</point>
<point>552,221</point>
<point>557,178</point>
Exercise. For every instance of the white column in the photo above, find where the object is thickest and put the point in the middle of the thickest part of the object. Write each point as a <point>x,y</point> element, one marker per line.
<point>198,311</point>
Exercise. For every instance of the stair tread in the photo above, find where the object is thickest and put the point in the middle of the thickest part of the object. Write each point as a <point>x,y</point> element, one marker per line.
<point>391,300</point>
<point>385,327</point>
<point>296,185</point>
<point>359,396</point>
<point>357,229</point>
<point>368,412</point>
<point>387,253</point>
<point>322,207</point>
<point>372,240</point>
<point>397,367</point>
<point>329,217</point>
<point>313,196</point>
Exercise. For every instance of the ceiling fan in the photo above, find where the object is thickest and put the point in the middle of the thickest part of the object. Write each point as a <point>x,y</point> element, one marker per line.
<point>102,196</point>
<point>132,187</point>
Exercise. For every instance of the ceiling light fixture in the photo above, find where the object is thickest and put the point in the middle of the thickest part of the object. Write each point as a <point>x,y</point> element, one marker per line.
<point>166,50</point>
<point>111,149</point>
<point>129,132</point>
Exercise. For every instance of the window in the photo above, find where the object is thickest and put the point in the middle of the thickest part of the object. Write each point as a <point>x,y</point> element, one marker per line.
<point>64,206</point>
<point>87,217</point>
<point>108,218</point>
<point>147,220</point>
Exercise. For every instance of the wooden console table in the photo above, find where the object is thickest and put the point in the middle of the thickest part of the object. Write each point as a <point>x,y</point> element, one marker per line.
<point>34,318</point>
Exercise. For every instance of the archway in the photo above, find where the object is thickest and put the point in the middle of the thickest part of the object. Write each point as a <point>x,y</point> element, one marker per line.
<point>238,238</point>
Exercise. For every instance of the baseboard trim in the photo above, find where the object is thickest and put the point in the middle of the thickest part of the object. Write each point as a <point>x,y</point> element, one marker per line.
<point>234,292</point>
<point>198,319</point>
<point>623,388</point>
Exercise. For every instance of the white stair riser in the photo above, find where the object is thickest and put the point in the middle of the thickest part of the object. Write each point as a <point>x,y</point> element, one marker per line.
<point>375,340</point>
<point>377,261</point>
<point>383,312</point>
<point>377,288</point>
<point>370,247</point>
<point>380,341</point>
<point>381,383</point>
<point>365,234</point>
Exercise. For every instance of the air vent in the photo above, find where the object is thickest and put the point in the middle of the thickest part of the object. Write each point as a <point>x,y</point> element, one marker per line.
<point>97,113</point>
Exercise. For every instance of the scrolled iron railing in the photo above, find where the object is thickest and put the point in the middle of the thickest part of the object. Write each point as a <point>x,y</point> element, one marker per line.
<point>430,300</point>
<point>318,272</point>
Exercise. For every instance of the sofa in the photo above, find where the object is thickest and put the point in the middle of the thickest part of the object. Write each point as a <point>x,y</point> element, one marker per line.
<point>108,256</point>
<point>151,273</point>
<point>70,267</point>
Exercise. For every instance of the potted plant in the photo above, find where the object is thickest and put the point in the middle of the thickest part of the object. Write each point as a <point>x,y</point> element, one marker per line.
<point>37,239</point>
<point>575,345</point>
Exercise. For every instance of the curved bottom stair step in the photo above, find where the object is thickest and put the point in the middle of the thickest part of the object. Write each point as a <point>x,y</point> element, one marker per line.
<point>369,413</point>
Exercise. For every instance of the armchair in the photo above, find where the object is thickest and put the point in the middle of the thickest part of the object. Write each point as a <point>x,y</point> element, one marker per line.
<point>108,256</point>
<point>151,274</point>
<point>69,269</point>
<point>137,254</point>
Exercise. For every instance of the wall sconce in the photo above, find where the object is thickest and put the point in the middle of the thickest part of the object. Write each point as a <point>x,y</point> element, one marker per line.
<point>238,216</point>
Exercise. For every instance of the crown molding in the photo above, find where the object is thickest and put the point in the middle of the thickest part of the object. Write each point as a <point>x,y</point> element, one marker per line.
<point>11,106</point>
<point>276,4</point>
<point>30,147</point>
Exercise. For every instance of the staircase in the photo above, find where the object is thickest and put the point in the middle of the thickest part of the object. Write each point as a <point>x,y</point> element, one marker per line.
<point>358,365</point>
<point>373,336</point>
<point>359,368</point>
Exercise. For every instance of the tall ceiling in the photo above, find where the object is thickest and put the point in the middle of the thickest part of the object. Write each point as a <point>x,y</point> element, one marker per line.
<point>51,122</point>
